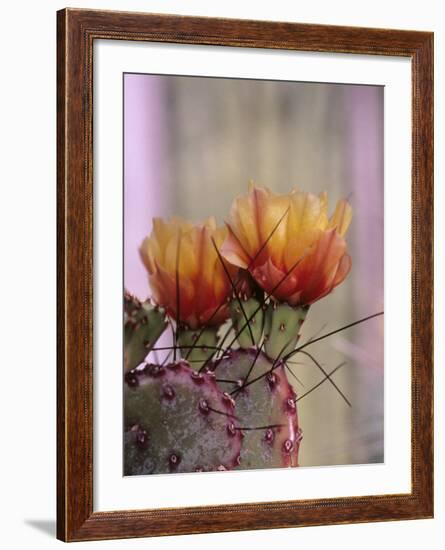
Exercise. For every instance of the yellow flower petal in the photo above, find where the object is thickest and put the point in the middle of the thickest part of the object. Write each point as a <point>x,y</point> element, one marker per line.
<point>341,219</point>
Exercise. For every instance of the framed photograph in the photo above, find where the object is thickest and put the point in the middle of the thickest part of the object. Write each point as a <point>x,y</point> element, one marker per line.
<point>245,228</point>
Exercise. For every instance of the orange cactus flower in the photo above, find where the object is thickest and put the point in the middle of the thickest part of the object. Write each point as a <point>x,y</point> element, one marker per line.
<point>181,260</point>
<point>291,247</point>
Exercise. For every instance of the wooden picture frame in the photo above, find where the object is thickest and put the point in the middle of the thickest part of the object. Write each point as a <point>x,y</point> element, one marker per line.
<point>76,32</point>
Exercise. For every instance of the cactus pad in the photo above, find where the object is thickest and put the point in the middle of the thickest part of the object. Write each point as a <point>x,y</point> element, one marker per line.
<point>282,328</point>
<point>252,313</point>
<point>177,420</point>
<point>265,408</point>
<point>143,324</point>
<point>197,345</point>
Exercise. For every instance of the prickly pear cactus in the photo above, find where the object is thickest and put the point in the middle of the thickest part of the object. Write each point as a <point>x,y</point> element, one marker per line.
<point>143,324</point>
<point>235,298</point>
<point>265,408</point>
<point>177,420</point>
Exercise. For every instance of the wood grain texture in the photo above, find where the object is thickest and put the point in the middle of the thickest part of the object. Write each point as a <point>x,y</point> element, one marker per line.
<point>76,31</point>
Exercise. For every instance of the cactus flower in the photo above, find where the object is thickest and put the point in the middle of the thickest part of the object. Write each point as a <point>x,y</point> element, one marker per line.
<point>293,250</point>
<point>186,275</point>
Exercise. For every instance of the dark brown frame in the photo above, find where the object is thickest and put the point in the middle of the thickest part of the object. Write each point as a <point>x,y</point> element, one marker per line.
<point>76,32</point>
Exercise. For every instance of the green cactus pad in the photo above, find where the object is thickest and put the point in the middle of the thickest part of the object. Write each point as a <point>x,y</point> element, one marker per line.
<point>267,404</point>
<point>282,328</point>
<point>177,420</point>
<point>254,330</point>
<point>143,324</point>
<point>197,345</point>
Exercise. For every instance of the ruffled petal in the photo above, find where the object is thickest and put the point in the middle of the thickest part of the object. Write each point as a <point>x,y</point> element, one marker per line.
<point>277,283</point>
<point>317,271</point>
<point>341,219</point>
<point>233,251</point>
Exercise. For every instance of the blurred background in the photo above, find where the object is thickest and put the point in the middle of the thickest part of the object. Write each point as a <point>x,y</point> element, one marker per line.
<point>191,144</point>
